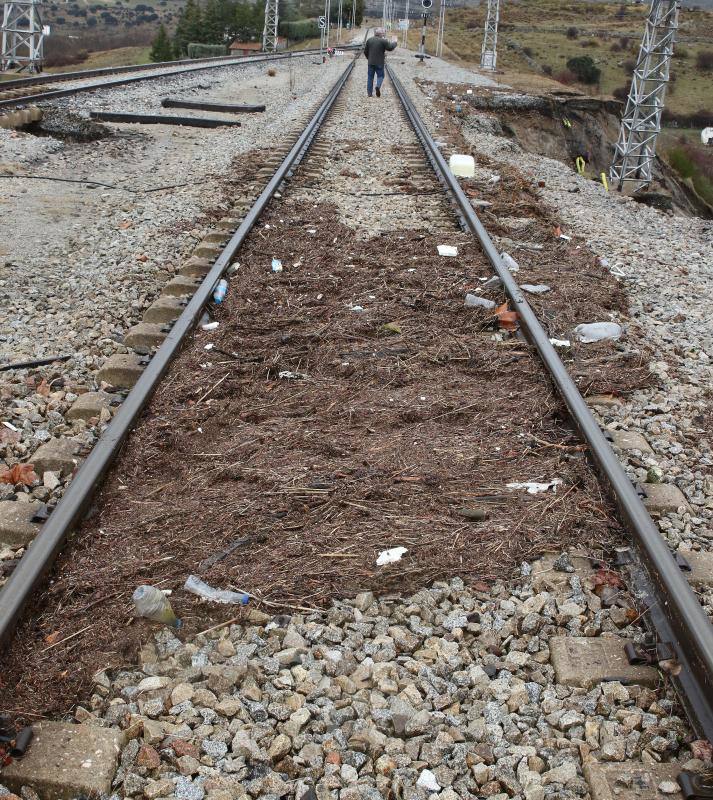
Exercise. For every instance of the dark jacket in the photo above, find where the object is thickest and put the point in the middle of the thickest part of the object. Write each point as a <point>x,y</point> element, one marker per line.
<point>375,50</point>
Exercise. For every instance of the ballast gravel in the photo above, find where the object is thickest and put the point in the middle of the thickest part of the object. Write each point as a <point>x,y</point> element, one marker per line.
<point>445,694</point>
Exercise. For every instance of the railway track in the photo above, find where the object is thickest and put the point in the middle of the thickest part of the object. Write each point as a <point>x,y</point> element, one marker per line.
<point>272,352</point>
<point>48,87</point>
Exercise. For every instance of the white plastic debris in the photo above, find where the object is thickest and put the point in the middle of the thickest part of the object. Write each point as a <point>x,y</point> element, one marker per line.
<point>565,237</point>
<point>535,288</point>
<point>597,331</point>
<point>510,262</point>
<point>533,487</point>
<point>462,165</point>
<point>427,780</point>
<point>493,282</point>
<point>10,426</point>
<point>195,585</point>
<point>286,375</point>
<point>561,342</point>
<point>473,301</point>
<point>469,91</point>
<point>210,326</point>
<point>358,309</point>
<point>276,265</point>
<point>447,250</point>
<point>209,346</point>
<point>390,556</point>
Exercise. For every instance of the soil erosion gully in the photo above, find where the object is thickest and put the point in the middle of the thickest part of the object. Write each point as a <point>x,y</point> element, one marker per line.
<point>312,374</point>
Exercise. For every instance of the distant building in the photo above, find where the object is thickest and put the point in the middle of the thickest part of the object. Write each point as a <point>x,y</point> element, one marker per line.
<point>249,48</point>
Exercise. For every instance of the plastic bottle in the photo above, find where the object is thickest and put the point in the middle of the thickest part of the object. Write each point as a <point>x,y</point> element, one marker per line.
<point>220,291</point>
<point>276,265</point>
<point>153,604</point>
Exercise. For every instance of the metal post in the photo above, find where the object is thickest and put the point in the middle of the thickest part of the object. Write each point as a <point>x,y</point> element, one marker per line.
<point>22,36</point>
<point>489,53</point>
<point>339,22</point>
<point>640,126</point>
<point>328,11</point>
<point>422,45</point>
<point>441,28</point>
<point>269,31</point>
<point>405,36</point>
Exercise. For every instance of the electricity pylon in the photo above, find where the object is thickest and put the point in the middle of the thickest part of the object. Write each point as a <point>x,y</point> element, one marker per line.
<point>640,126</point>
<point>272,19</point>
<point>22,36</point>
<point>489,53</point>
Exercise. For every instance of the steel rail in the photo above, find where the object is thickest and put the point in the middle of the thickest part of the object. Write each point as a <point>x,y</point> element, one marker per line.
<point>46,546</point>
<point>233,61</point>
<point>673,609</point>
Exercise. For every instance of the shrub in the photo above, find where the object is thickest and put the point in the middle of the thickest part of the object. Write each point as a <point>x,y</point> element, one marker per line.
<point>628,66</point>
<point>528,51</point>
<point>624,42</point>
<point>622,92</point>
<point>590,43</point>
<point>198,50</point>
<point>572,32</point>
<point>704,60</point>
<point>566,76</point>
<point>585,70</point>
<point>547,69</point>
<point>615,48</point>
<point>681,52</point>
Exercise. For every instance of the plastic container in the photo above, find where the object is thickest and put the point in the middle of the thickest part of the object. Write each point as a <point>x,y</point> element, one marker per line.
<point>220,291</point>
<point>276,265</point>
<point>195,585</point>
<point>153,604</point>
<point>462,166</point>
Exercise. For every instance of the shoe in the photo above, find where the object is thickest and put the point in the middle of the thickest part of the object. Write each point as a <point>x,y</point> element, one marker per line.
<point>369,95</point>
<point>378,92</point>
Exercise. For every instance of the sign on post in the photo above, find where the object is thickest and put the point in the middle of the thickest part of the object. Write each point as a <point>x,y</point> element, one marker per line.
<point>322,21</point>
<point>403,24</point>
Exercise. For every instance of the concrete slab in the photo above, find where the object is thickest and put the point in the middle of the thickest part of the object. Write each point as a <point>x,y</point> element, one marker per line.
<point>56,455</point>
<point>635,781</point>
<point>664,497</point>
<point>585,662</point>
<point>121,371</point>
<point>545,577</point>
<point>196,267</point>
<point>65,761</point>
<point>215,236</point>
<point>208,250</point>
<point>630,440</point>
<point>606,400</point>
<point>16,526</point>
<point>164,309</point>
<point>181,286</point>
<point>229,224</point>
<point>88,405</point>
<point>145,335</point>
<point>701,573</point>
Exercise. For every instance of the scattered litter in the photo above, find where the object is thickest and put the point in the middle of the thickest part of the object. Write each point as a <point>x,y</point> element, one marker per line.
<point>447,250</point>
<point>276,265</point>
<point>210,326</point>
<point>494,179</point>
<point>481,203</point>
<point>153,604</point>
<point>533,487</point>
<point>617,271</point>
<point>510,262</point>
<point>390,556</point>
<point>298,263</point>
<point>473,301</point>
<point>195,585</point>
<point>469,91</point>
<point>286,375</point>
<point>10,426</point>
<point>492,283</point>
<point>427,780</point>
<point>356,308</point>
<point>597,331</point>
<point>220,291</point>
<point>391,327</point>
<point>506,319</point>
<point>311,230</point>
<point>537,288</point>
<point>561,342</point>
<point>209,346</point>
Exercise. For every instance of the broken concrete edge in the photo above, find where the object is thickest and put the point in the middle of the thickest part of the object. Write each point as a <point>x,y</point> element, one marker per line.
<point>19,119</point>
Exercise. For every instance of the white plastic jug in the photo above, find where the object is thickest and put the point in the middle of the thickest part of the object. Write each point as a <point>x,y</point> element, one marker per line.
<point>463,166</point>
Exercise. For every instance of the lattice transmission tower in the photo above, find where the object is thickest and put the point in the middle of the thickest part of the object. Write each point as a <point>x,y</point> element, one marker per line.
<point>489,53</point>
<point>272,19</point>
<point>22,36</point>
<point>640,126</point>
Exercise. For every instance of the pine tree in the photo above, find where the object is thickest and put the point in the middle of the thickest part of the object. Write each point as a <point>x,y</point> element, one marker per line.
<point>188,29</point>
<point>161,49</point>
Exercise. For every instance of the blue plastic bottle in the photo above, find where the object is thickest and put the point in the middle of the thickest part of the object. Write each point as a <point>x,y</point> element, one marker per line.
<point>220,291</point>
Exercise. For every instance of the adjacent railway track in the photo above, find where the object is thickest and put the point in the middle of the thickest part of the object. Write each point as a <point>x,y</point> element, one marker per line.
<point>44,87</point>
<point>682,635</point>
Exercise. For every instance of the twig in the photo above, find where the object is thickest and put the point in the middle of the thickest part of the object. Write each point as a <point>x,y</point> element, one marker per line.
<point>67,638</point>
<point>212,388</point>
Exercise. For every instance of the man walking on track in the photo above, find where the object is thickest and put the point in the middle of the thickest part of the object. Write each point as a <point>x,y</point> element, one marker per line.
<point>375,51</point>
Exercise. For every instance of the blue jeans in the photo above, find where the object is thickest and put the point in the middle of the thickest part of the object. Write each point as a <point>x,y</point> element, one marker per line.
<point>379,72</point>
